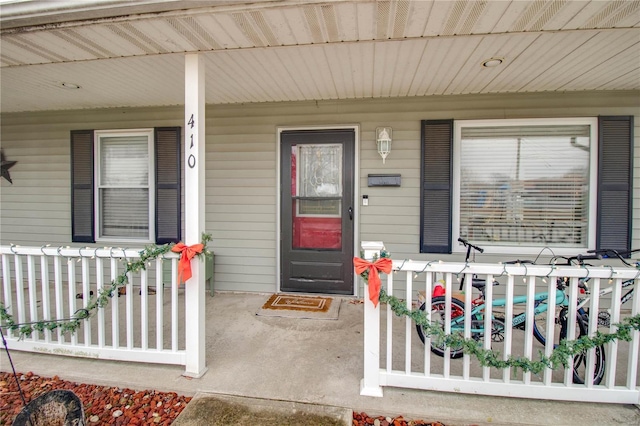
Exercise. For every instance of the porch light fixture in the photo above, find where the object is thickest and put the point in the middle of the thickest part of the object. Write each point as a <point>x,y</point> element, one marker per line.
<point>492,62</point>
<point>383,140</point>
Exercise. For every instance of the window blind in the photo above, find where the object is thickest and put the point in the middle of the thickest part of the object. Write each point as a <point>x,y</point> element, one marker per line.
<point>525,185</point>
<point>124,186</point>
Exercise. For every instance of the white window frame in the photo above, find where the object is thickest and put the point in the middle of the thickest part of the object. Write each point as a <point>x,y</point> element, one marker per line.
<point>149,133</point>
<point>593,181</point>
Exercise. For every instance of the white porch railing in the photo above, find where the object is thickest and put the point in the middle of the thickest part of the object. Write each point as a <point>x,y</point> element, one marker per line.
<point>147,324</point>
<point>395,356</point>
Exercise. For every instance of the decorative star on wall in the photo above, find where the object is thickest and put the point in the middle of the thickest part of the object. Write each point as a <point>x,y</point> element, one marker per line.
<point>5,166</point>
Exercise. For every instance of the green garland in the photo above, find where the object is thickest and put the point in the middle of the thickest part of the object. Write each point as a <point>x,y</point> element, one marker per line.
<point>102,298</point>
<point>488,358</point>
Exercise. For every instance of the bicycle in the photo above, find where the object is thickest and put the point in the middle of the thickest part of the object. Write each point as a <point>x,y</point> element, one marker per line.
<point>604,316</point>
<point>458,308</point>
<point>540,321</point>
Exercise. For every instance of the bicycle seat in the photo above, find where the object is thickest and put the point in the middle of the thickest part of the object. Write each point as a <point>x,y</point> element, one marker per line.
<point>480,283</point>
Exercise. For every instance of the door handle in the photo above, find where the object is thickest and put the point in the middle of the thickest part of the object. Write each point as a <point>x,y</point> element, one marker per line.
<point>351,213</point>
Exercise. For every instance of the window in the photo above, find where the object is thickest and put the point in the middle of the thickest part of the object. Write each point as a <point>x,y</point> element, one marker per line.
<point>124,207</point>
<point>126,185</point>
<point>561,183</point>
<point>525,183</point>
<point>319,180</point>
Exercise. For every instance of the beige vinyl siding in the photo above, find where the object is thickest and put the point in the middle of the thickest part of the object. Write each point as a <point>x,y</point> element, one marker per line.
<point>242,183</point>
<point>35,210</point>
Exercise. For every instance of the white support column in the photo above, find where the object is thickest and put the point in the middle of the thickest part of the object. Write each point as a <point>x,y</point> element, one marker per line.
<point>194,138</point>
<point>370,384</point>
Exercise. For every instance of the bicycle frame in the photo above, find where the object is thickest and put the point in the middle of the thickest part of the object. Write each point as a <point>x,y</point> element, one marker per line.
<point>457,324</point>
<point>625,298</point>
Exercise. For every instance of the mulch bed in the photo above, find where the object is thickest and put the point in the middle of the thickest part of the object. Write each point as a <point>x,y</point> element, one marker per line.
<point>121,406</point>
<point>362,419</point>
<point>102,404</point>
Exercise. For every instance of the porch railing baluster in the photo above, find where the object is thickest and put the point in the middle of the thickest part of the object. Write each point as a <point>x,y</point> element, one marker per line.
<point>508,332</point>
<point>46,294</point>
<point>129,311</point>
<point>519,284</point>
<point>86,296</point>
<point>408,325</point>
<point>159,304</point>
<point>19,289</point>
<point>59,287</point>
<point>6,282</point>
<point>71,278</point>
<point>634,345</point>
<point>33,298</point>
<point>115,308</point>
<point>99,289</point>
<point>174,306</point>
<point>144,310</point>
<point>57,265</point>
<point>528,324</point>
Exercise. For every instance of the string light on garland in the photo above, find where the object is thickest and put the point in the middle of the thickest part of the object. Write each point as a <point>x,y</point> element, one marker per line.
<point>560,356</point>
<point>488,358</point>
<point>104,294</point>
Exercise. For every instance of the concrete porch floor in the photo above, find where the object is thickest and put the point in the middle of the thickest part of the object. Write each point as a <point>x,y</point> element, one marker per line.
<point>309,361</point>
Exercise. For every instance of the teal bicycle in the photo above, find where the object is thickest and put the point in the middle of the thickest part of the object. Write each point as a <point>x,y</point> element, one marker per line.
<point>458,309</point>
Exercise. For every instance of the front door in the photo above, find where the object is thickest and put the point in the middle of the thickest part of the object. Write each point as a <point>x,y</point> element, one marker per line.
<point>317,211</point>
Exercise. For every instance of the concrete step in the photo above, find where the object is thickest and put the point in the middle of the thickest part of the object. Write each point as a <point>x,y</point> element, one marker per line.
<point>211,409</point>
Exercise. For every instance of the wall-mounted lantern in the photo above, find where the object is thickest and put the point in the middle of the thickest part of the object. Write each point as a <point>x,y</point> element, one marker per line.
<point>383,140</point>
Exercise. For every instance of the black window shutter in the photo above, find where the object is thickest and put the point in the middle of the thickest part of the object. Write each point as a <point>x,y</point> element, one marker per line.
<point>615,182</point>
<point>82,205</point>
<point>436,186</point>
<point>168,213</point>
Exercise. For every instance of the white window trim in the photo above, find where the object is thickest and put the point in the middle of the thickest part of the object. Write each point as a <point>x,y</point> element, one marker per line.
<point>593,181</point>
<point>149,133</point>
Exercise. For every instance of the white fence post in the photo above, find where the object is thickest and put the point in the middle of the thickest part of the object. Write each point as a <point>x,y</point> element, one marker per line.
<point>370,384</point>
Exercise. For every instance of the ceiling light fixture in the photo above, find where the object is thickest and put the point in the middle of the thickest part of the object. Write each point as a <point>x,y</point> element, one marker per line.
<point>492,62</point>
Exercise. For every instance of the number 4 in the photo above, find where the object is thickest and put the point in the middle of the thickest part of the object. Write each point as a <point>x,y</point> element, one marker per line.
<point>191,121</point>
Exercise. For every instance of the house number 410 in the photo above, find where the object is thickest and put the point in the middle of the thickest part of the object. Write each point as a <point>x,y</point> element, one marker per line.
<point>191,161</point>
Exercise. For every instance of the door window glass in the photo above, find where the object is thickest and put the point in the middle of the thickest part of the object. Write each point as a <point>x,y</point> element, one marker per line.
<point>316,188</point>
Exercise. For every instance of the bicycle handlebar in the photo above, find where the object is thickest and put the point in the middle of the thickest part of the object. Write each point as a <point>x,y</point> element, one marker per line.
<point>517,261</point>
<point>606,253</point>
<point>468,244</point>
<point>580,258</point>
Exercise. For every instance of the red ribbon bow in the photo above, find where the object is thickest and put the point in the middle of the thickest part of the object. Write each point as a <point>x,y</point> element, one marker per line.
<point>383,264</point>
<point>186,254</point>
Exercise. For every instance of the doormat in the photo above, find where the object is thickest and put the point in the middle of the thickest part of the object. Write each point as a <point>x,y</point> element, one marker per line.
<point>304,307</point>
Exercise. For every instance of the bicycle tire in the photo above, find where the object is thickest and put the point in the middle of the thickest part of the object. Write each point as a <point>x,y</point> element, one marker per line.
<point>580,360</point>
<point>438,315</point>
<point>540,323</point>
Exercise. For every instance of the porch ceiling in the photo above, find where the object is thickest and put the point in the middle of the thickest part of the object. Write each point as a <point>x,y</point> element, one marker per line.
<point>273,51</point>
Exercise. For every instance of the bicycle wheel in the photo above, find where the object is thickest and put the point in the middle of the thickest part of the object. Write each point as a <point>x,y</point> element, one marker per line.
<point>438,317</point>
<point>580,360</point>
<point>540,323</point>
